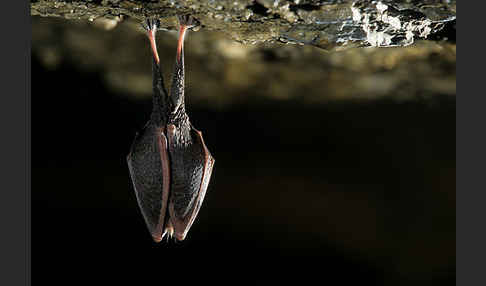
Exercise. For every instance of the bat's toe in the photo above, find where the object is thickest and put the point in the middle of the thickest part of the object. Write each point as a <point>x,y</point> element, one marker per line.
<point>188,21</point>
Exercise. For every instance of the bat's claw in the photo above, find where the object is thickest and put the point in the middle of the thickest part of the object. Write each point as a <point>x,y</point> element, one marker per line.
<point>150,24</point>
<point>188,21</point>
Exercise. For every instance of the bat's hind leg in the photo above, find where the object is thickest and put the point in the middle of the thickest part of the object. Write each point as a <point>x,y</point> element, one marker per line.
<point>186,23</point>
<point>150,26</point>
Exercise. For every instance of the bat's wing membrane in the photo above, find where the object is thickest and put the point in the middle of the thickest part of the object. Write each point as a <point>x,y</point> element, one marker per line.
<point>192,166</point>
<point>148,162</point>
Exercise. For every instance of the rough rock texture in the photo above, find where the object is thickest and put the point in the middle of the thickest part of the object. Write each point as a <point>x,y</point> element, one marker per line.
<point>326,24</point>
<point>398,24</point>
<point>224,67</point>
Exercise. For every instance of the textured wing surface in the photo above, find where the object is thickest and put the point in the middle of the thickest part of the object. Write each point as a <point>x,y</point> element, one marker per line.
<point>192,166</point>
<point>188,164</point>
<point>150,176</point>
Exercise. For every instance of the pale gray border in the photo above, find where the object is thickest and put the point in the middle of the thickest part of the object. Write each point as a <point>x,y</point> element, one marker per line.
<point>15,144</point>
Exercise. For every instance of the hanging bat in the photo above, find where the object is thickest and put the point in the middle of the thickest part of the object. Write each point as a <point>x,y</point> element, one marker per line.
<point>169,163</point>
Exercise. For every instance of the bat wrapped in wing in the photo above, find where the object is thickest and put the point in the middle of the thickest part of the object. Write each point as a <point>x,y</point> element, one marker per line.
<point>169,163</point>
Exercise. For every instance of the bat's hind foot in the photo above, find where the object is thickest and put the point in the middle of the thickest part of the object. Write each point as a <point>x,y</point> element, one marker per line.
<point>150,24</point>
<point>188,21</point>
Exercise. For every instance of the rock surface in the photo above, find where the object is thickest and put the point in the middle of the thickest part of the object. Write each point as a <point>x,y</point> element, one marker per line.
<point>104,38</point>
<point>327,24</point>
